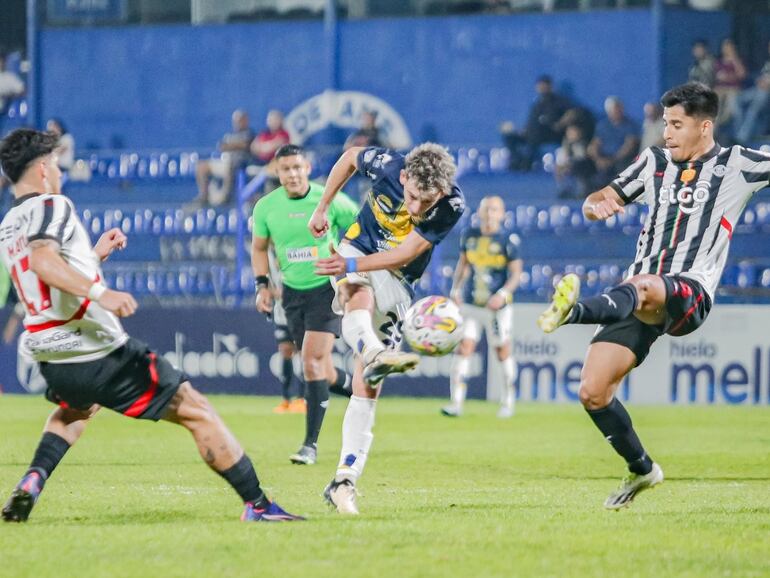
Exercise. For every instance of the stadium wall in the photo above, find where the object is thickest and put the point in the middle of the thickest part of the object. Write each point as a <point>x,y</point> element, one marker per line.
<point>452,79</point>
<point>726,362</point>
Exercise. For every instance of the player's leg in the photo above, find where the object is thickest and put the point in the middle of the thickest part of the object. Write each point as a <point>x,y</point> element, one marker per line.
<point>499,334</point>
<point>316,358</point>
<point>222,452</point>
<point>642,295</point>
<point>63,428</point>
<point>461,361</point>
<point>286,351</point>
<point>615,351</point>
<point>357,438</point>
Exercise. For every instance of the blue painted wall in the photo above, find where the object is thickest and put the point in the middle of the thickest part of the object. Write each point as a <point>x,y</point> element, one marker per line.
<point>453,79</point>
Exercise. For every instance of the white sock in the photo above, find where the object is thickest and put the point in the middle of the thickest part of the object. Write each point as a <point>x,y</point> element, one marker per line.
<point>508,393</point>
<point>458,374</point>
<point>358,333</point>
<point>357,437</point>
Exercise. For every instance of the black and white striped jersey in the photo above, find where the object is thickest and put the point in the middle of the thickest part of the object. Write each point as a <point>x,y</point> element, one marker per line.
<point>60,327</point>
<point>693,208</point>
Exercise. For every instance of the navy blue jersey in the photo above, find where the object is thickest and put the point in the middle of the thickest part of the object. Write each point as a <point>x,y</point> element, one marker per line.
<point>488,257</point>
<point>383,222</point>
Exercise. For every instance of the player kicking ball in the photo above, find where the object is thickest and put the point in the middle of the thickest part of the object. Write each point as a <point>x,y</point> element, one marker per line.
<point>412,205</point>
<point>696,191</point>
<point>486,277</point>
<point>73,333</point>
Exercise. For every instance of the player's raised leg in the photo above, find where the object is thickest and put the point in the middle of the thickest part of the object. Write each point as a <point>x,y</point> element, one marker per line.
<point>223,454</point>
<point>605,367</point>
<point>63,428</point>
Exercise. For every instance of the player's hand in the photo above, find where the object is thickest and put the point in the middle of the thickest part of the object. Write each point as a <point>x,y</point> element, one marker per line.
<point>118,302</point>
<point>496,302</point>
<point>109,241</point>
<point>332,265</point>
<point>264,301</point>
<point>605,209</point>
<point>319,223</point>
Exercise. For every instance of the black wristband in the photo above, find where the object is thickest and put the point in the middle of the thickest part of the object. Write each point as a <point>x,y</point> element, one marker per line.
<point>262,281</point>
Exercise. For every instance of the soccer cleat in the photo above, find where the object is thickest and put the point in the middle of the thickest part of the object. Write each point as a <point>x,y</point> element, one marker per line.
<point>298,405</point>
<point>451,411</point>
<point>272,513</point>
<point>23,498</point>
<point>387,362</point>
<point>305,456</point>
<point>631,486</point>
<point>342,496</point>
<point>505,412</point>
<point>564,298</point>
<point>282,407</point>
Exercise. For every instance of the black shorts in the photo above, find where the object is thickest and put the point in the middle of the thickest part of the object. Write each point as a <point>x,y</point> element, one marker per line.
<point>687,306</point>
<point>131,380</point>
<point>310,310</point>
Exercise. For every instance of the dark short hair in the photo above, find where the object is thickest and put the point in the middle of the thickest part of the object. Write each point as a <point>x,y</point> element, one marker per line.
<point>695,98</point>
<point>21,147</point>
<point>544,78</point>
<point>289,150</point>
<point>700,42</point>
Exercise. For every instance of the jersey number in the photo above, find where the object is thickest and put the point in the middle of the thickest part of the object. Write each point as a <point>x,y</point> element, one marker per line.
<point>20,273</point>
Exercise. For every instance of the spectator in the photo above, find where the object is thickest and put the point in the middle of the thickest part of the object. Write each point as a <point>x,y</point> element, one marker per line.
<point>703,68</point>
<point>575,171</point>
<point>652,126</point>
<point>66,150</point>
<point>271,139</point>
<point>11,86</point>
<point>544,116</point>
<point>368,135</point>
<point>516,143</point>
<point>730,74</point>
<point>753,107</point>
<point>615,142</point>
<point>234,147</point>
<point>580,116</point>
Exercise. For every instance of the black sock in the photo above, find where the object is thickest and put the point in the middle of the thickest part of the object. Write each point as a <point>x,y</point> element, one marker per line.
<point>48,454</point>
<point>343,384</point>
<point>317,400</point>
<point>301,388</point>
<point>243,479</point>
<point>615,424</point>
<point>287,372</point>
<point>614,305</point>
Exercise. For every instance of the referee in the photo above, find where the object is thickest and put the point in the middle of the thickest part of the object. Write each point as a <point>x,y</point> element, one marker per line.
<point>281,218</point>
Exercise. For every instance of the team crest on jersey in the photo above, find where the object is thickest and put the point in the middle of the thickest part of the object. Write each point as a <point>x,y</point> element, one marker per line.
<point>689,199</point>
<point>720,170</point>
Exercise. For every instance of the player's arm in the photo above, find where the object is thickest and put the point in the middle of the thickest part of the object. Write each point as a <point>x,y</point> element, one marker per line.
<point>260,265</point>
<point>504,295</point>
<point>412,247</point>
<point>49,266</point>
<point>458,280</point>
<point>602,204</point>
<point>108,242</point>
<point>343,169</point>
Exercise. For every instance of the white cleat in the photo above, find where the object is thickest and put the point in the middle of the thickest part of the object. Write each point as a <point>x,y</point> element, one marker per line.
<point>565,296</point>
<point>387,362</point>
<point>505,412</point>
<point>342,496</point>
<point>631,486</point>
<point>451,411</point>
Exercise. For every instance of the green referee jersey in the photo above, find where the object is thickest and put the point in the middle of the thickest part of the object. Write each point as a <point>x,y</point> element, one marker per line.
<point>284,221</point>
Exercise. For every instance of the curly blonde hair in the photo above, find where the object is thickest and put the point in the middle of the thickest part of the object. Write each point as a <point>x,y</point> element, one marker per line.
<point>432,168</point>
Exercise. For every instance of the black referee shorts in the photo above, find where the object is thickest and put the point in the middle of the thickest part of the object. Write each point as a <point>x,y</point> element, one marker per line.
<point>131,380</point>
<point>687,306</point>
<point>310,310</point>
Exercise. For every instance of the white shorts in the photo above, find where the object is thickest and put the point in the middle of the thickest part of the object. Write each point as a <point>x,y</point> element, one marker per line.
<point>392,297</point>
<point>497,324</point>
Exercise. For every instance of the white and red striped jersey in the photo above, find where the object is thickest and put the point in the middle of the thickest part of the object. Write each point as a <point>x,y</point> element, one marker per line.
<point>60,327</point>
<point>693,208</point>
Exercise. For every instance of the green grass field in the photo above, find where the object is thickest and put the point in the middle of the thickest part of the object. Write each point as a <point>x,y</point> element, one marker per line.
<point>469,497</point>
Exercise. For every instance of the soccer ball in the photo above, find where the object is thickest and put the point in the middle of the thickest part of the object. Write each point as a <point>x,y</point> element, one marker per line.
<point>433,326</point>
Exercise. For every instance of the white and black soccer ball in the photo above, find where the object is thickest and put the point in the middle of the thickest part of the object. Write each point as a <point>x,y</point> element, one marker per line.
<point>433,326</point>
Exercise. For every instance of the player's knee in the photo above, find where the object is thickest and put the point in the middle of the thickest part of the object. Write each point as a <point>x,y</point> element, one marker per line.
<point>593,393</point>
<point>192,407</point>
<point>313,367</point>
<point>466,348</point>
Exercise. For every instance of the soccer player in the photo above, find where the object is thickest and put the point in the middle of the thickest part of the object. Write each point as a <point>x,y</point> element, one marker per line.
<point>281,218</point>
<point>696,191</point>
<point>73,332</point>
<point>486,277</point>
<point>412,205</point>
